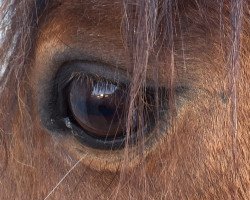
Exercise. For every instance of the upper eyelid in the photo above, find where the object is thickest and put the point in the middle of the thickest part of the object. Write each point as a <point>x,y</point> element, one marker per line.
<point>96,69</point>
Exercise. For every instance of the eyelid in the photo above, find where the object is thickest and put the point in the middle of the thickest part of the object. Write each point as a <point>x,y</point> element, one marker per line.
<point>101,70</point>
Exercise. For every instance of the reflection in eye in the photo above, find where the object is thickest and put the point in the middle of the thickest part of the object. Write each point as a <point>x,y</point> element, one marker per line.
<point>102,89</point>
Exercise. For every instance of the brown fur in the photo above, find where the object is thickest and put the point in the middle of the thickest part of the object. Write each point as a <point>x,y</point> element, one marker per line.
<point>201,152</point>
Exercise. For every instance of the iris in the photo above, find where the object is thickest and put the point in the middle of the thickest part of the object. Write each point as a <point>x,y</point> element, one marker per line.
<point>98,106</point>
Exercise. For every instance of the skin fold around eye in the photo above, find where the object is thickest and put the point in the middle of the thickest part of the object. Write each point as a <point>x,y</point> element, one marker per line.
<point>58,117</point>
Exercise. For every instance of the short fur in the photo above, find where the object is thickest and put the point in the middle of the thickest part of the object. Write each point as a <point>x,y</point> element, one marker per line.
<point>200,151</point>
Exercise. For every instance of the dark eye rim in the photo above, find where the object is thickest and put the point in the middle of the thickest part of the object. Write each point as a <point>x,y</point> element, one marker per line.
<point>55,122</point>
<point>82,135</point>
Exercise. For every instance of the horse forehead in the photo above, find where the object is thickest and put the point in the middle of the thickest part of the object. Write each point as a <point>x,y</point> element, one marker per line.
<point>108,7</point>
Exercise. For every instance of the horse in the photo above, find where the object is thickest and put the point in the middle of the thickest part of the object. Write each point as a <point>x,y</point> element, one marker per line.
<point>121,99</point>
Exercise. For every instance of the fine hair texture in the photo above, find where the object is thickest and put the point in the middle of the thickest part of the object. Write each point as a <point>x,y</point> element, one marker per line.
<point>145,25</point>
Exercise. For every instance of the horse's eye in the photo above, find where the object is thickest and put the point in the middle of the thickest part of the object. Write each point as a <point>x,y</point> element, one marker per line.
<point>91,101</point>
<point>98,106</point>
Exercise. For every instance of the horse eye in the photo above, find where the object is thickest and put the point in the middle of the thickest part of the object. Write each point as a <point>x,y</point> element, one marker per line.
<point>98,106</point>
<point>91,100</point>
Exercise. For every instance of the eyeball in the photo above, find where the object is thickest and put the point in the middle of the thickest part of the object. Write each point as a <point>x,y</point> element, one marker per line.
<point>99,106</point>
<point>92,101</point>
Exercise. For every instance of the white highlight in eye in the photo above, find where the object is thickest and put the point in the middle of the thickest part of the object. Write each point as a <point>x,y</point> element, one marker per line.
<point>67,122</point>
<point>103,89</point>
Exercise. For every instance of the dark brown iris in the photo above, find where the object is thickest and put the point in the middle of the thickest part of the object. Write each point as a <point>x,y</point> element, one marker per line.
<point>98,107</point>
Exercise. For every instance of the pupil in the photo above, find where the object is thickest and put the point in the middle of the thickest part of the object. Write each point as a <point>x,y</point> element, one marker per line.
<point>98,107</point>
